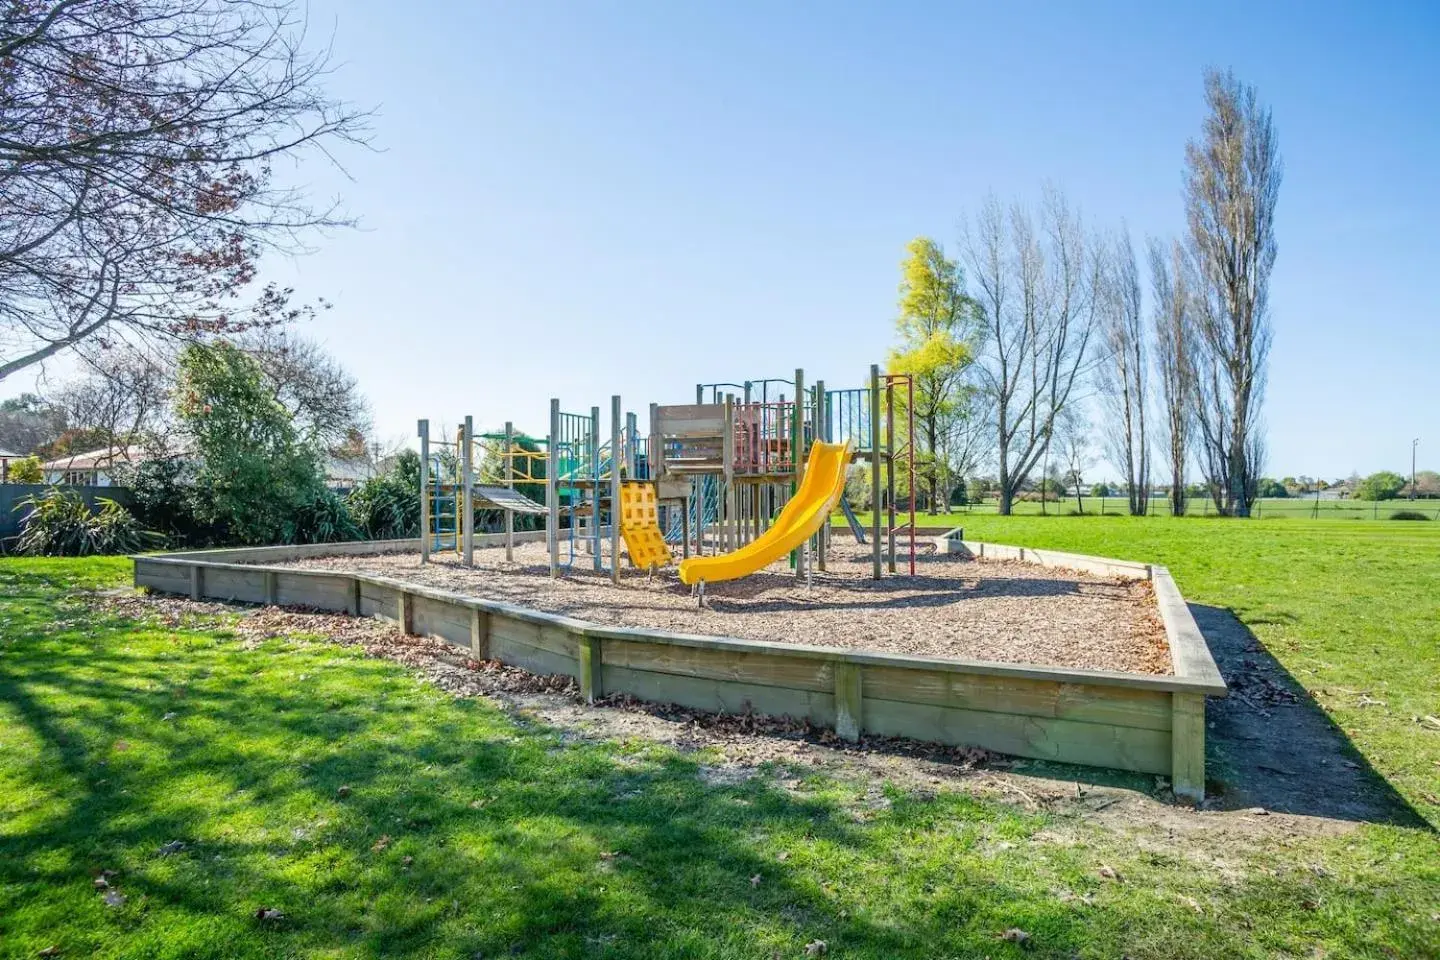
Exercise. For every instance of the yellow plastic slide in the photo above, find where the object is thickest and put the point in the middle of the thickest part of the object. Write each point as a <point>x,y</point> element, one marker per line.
<point>808,510</point>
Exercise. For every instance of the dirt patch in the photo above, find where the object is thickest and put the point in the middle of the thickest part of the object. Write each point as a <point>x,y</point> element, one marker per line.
<point>954,607</point>
<point>1273,747</point>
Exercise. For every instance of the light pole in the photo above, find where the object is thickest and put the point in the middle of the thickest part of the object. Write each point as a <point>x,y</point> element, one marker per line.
<point>1413,444</point>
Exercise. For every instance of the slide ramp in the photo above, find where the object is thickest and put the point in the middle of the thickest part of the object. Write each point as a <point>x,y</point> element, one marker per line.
<point>808,510</point>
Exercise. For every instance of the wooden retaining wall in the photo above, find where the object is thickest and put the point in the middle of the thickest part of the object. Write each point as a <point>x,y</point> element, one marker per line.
<point>1140,722</point>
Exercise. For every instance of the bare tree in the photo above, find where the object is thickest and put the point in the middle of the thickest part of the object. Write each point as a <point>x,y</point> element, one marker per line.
<point>122,398</point>
<point>1172,289</point>
<point>1035,286</point>
<point>137,141</point>
<point>1232,183</point>
<point>967,439</point>
<point>320,395</point>
<point>1122,375</point>
<point>1072,442</point>
<point>29,421</point>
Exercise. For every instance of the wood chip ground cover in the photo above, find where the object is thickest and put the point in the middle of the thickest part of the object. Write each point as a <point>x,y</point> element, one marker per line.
<point>955,607</point>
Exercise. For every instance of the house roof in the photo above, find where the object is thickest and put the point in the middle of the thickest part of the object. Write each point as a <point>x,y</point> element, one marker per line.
<point>94,459</point>
<point>8,455</point>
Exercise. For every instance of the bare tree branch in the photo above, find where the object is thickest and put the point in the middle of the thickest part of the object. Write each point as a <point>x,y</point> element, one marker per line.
<point>137,139</point>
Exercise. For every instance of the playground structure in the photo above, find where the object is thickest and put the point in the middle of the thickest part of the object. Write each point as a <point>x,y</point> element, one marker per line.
<point>748,480</point>
<point>453,480</point>
<point>727,474</point>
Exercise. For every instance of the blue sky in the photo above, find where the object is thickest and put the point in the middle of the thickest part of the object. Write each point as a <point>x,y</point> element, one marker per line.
<point>590,198</point>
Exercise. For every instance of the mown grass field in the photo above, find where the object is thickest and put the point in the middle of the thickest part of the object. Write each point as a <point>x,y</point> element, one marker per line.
<point>1300,508</point>
<point>383,818</point>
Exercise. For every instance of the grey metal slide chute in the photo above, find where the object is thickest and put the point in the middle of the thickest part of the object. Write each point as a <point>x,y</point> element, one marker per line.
<point>503,498</point>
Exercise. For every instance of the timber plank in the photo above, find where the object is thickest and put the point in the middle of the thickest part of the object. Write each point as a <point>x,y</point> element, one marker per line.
<point>721,696</point>
<point>759,668</point>
<point>528,657</point>
<point>379,601</point>
<point>229,583</point>
<point>1122,706</point>
<point>557,640</point>
<point>295,588</point>
<point>1043,738</point>
<point>436,618</point>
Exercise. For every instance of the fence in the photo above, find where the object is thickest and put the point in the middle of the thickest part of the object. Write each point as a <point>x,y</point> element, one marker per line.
<point>12,494</point>
<point>1299,508</point>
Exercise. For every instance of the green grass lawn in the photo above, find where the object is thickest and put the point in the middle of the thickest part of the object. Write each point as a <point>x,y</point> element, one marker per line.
<point>1350,610</point>
<point>463,831</point>
<point>1297,507</point>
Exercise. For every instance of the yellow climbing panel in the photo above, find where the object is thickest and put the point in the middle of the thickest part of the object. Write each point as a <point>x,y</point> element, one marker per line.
<point>640,526</point>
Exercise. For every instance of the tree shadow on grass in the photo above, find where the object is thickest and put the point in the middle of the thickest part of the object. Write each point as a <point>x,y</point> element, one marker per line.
<point>1271,745</point>
<point>458,830</point>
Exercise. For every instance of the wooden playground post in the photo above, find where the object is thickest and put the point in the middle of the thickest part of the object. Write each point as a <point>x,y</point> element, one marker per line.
<point>467,495</point>
<point>509,485</point>
<point>822,432</point>
<point>616,459</point>
<point>422,427</point>
<point>632,427</point>
<point>595,487</point>
<point>552,489</point>
<point>727,497</point>
<point>875,469</point>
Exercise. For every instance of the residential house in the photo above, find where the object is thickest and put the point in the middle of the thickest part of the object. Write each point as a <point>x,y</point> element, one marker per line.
<point>5,457</point>
<point>93,468</point>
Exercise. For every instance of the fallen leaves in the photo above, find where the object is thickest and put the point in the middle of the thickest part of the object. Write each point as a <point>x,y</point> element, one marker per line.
<point>121,746</point>
<point>343,791</point>
<point>755,880</point>
<point>269,915</point>
<point>1428,721</point>
<point>173,847</point>
<point>1016,936</point>
<point>1110,873</point>
<point>382,843</point>
<point>816,948</point>
<point>106,889</point>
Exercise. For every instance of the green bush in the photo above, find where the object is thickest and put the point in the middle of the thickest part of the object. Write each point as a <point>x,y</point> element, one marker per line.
<point>1270,489</point>
<point>387,506</point>
<point>1409,515</point>
<point>324,519</point>
<point>257,481</point>
<point>1385,485</point>
<point>25,470</point>
<point>60,524</point>
<point>162,497</point>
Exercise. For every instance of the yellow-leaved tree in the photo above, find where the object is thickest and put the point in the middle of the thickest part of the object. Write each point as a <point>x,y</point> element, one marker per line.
<point>937,329</point>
